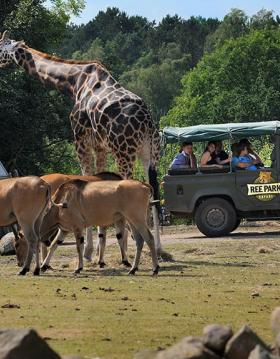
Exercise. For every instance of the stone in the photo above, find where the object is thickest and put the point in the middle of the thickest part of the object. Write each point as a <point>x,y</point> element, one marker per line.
<point>261,353</point>
<point>146,354</point>
<point>264,250</point>
<point>24,344</point>
<point>275,321</point>
<point>7,244</point>
<point>277,345</point>
<point>188,348</point>
<point>215,337</point>
<point>242,343</point>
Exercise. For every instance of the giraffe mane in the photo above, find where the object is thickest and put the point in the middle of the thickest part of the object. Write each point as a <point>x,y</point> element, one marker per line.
<point>66,61</point>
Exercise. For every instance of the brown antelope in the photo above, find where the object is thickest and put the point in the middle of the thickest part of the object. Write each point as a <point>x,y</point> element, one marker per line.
<point>24,200</point>
<point>53,239</point>
<point>103,203</point>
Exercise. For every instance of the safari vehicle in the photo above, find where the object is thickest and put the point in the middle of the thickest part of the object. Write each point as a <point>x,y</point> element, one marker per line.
<point>218,199</point>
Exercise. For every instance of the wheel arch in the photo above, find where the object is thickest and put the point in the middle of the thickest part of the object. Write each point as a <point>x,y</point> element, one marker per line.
<point>223,196</point>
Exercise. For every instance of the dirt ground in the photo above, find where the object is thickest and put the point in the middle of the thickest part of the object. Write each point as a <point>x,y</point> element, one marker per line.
<point>104,312</point>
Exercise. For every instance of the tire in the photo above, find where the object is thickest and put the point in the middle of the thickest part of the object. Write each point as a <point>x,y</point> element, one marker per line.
<point>215,217</point>
<point>238,221</point>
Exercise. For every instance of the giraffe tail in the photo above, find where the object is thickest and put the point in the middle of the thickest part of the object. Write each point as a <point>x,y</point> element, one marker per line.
<point>154,159</point>
<point>153,181</point>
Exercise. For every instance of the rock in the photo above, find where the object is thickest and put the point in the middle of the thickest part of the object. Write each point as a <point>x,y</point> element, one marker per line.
<point>277,344</point>
<point>146,354</point>
<point>188,348</point>
<point>23,344</point>
<point>260,353</point>
<point>7,244</point>
<point>275,321</point>
<point>264,250</point>
<point>242,343</point>
<point>215,337</point>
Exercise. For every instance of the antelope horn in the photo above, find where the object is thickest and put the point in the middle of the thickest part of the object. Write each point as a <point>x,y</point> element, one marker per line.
<point>5,35</point>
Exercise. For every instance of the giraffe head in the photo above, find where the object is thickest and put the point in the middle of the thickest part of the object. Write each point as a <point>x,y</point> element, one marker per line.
<point>8,49</point>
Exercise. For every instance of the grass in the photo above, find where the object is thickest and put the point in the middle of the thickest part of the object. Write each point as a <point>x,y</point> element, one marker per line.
<point>108,314</point>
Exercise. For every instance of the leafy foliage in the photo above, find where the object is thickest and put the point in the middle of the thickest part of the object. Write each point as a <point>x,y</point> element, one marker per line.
<point>236,83</point>
<point>31,113</point>
<point>229,70</point>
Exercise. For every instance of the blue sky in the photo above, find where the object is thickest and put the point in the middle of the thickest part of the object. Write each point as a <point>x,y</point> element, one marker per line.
<point>157,9</point>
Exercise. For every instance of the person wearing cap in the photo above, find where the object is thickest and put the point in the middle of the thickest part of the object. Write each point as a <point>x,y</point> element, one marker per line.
<point>185,158</point>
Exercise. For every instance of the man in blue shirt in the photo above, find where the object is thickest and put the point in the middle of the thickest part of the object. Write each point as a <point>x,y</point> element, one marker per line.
<point>242,160</point>
<point>186,158</point>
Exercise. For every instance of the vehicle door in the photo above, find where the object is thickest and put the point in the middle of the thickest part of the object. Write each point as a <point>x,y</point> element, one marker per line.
<point>259,190</point>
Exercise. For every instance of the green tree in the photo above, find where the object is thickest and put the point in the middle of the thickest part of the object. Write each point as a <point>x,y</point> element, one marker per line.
<point>158,83</point>
<point>233,26</point>
<point>33,117</point>
<point>238,82</point>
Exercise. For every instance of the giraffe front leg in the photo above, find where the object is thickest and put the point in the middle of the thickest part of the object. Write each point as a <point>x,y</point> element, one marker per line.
<point>100,166</point>
<point>85,155</point>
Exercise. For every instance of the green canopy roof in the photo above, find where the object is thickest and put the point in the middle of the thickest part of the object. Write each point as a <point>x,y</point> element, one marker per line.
<point>220,131</point>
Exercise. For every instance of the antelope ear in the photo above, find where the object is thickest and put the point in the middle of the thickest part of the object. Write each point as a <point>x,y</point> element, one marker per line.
<point>5,35</point>
<point>18,43</point>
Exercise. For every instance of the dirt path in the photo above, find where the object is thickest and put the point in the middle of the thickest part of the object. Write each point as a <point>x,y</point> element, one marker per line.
<point>188,234</point>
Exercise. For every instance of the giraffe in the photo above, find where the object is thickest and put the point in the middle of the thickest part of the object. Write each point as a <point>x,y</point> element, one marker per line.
<point>106,117</point>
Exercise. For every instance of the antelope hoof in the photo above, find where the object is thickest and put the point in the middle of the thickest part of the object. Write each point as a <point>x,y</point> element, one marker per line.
<point>155,271</point>
<point>36,271</point>
<point>126,264</point>
<point>133,271</point>
<point>46,267</point>
<point>78,270</point>
<point>102,264</point>
<point>23,271</point>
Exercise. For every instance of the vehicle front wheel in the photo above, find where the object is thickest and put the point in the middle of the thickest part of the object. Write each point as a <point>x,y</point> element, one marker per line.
<point>215,217</point>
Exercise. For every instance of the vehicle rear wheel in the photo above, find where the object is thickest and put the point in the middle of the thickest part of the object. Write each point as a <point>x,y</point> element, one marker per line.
<point>237,224</point>
<point>215,217</point>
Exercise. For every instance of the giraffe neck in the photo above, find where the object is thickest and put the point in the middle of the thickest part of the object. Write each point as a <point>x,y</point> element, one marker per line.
<point>68,77</point>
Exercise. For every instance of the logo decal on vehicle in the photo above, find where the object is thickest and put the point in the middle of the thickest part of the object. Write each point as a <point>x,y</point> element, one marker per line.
<point>264,188</point>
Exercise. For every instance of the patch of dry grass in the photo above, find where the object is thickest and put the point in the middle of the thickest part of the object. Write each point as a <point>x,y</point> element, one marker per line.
<point>109,314</point>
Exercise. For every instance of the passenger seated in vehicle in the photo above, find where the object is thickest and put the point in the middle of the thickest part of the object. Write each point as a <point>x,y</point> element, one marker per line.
<point>209,157</point>
<point>251,153</point>
<point>185,158</point>
<point>244,161</point>
<point>234,157</point>
<point>222,157</point>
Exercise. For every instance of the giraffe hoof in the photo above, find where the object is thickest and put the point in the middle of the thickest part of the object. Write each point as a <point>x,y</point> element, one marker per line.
<point>133,271</point>
<point>126,264</point>
<point>102,264</point>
